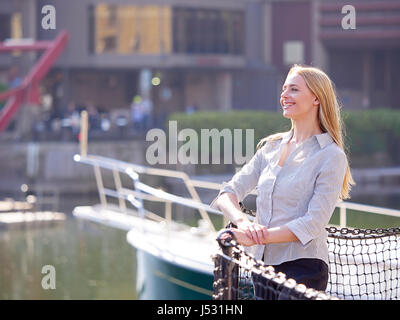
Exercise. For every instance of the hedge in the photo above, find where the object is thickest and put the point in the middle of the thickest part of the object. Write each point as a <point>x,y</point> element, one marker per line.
<point>367,132</point>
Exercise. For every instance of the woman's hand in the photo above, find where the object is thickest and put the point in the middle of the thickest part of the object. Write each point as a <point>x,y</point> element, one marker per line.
<point>242,238</point>
<point>250,233</point>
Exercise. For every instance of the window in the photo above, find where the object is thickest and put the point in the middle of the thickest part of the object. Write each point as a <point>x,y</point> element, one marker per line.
<point>5,26</point>
<point>346,69</point>
<point>128,29</point>
<point>205,31</point>
<point>293,52</point>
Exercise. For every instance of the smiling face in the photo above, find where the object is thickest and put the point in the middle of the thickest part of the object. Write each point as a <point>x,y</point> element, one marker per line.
<point>296,98</point>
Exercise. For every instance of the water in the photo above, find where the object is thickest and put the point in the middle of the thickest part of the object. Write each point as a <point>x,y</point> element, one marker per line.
<point>91,261</point>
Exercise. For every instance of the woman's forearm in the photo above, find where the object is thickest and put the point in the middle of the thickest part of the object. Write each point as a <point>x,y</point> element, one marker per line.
<point>280,235</point>
<point>266,236</point>
<point>229,205</point>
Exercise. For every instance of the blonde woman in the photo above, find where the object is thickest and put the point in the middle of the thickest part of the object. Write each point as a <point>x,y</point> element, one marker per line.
<point>299,176</point>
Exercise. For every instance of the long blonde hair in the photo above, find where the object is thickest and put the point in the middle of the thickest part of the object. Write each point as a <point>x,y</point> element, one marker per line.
<point>328,115</point>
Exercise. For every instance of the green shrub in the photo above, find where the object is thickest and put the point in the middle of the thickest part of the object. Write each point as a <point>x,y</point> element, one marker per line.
<point>367,132</point>
<point>375,131</point>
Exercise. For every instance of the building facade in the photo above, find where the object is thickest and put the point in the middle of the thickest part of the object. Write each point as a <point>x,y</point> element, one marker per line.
<point>363,61</point>
<point>210,54</point>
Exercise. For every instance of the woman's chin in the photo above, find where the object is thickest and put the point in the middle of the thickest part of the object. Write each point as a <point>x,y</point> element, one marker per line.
<point>288,114</point>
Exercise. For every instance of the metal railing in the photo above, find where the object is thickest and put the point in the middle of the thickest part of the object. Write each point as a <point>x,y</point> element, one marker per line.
<point>142,191</point>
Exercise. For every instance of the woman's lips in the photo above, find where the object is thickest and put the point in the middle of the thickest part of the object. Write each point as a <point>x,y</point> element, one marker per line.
<point>288,105</point>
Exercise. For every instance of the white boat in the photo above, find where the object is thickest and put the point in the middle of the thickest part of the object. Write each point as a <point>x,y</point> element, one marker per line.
<point>174,260</point>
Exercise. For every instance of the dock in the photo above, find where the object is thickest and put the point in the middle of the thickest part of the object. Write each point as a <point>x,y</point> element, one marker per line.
<point>10,204</point>
<point>28,219</point>
<point>20,214</point>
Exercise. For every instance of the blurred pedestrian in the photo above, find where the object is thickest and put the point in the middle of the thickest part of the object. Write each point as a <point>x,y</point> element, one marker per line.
<point>93,115</point>
<point>191,109</point>
<point>72,118</point>
<point>137,114</point>
<point>147,110</point>
<point>14,80</point>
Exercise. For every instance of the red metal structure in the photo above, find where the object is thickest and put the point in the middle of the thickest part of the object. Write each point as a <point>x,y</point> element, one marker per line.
<point>28,90</point>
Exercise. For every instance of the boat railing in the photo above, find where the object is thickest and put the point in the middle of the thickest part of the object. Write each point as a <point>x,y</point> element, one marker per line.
<point>141,191</point>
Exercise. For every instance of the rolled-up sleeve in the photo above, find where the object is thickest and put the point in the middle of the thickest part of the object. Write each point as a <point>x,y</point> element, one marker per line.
<point>326,193</point>
<point>245,180</point>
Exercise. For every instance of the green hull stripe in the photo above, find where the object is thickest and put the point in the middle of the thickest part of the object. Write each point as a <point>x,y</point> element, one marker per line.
<point>182,283</point>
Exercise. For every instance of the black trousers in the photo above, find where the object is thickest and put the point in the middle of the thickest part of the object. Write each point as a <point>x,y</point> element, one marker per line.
<point>313,273</point>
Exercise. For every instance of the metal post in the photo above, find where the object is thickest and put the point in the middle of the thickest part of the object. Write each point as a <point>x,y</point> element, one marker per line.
<point>118,186</point>
<point>100,187</point>
<point>195,196</point>
<point>226,273</point>
<point>84,133</point>
<point>229,272</point>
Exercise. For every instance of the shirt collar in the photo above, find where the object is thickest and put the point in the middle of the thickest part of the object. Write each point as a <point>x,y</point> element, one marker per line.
<point>323,139</point>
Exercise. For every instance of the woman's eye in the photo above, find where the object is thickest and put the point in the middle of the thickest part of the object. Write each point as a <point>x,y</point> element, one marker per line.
<point>291,89</point>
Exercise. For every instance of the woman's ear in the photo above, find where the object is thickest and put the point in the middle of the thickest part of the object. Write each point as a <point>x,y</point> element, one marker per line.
<point>316,101</point>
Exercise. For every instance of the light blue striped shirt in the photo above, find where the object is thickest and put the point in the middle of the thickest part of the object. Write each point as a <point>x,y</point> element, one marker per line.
<point>301,194</point>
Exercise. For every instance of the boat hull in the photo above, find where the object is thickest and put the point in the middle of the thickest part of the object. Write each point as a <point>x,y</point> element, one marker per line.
<point>177,266</point>
<point>158,279</point>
